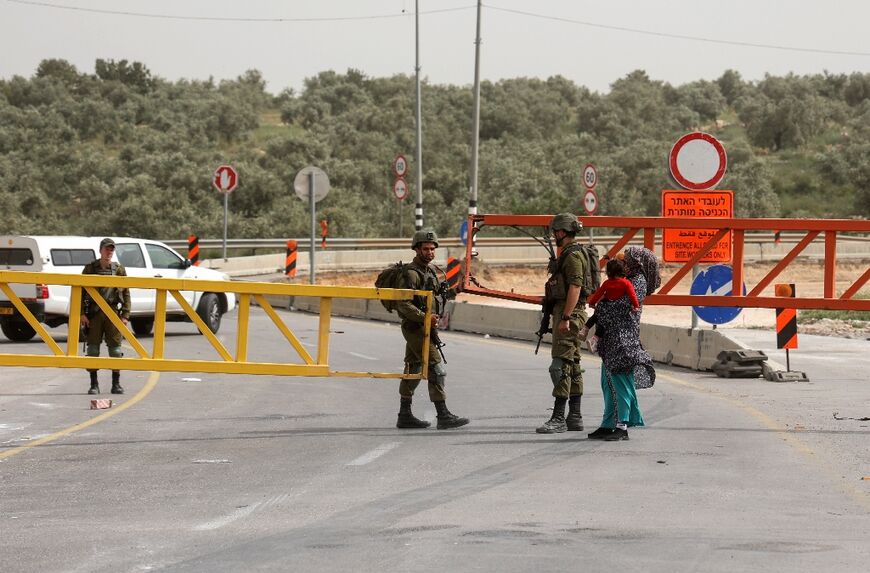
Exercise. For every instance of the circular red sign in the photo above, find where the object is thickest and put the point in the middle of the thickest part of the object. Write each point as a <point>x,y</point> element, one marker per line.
<point>590,201</point>
<point>400,189</point>
<point>698,161</point>
<point>400,166</point>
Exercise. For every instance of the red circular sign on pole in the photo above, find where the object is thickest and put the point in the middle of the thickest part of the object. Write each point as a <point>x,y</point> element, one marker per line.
<point>698,161</point>
<point>590,201</point>
<point>590,176</point>
<point>400,166</point>
<point>226,178</point>
<point>400,189</point>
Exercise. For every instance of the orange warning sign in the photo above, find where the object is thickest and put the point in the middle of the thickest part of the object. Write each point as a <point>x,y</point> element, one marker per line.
<point>680,245</point>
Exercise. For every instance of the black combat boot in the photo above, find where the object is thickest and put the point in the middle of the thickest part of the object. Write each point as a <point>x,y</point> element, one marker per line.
<point>95,384</point>
<point>116,382</point>
<point>406,418</point>
<point>574,420</point>
<point>446,420</point>
<point>556,424</point>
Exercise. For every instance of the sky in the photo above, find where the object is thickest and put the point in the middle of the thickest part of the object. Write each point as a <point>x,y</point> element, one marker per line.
<point>592,43</point>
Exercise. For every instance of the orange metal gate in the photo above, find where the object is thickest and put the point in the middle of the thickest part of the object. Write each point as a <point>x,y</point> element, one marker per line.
<point>651,227</point>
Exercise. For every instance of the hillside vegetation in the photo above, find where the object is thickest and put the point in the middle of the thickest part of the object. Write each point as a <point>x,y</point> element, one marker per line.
<point>122,151</point>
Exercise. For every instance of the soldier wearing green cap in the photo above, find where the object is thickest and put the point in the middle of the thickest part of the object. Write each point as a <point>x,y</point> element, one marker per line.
<point>419,275</point>
<point>94,320</point>
<point>564,289</point>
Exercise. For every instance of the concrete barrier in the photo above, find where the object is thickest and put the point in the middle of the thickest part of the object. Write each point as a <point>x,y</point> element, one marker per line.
<point>696,349</point>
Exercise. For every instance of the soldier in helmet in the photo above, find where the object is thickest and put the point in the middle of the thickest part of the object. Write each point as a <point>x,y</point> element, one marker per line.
<point>98,326</point>
<point>418,275</point>
<point>563,291</point>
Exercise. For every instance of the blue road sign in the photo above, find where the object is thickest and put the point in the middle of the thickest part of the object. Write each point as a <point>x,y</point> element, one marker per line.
<point>715,280</point>
<point>463,232</point>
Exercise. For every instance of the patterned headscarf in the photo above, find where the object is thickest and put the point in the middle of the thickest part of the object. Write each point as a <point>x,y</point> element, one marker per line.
<point>640,260</point>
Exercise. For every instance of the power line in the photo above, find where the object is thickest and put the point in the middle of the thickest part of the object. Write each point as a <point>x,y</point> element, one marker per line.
<point>229,19</point>
<point>675,36</point>
<point>441,11</point>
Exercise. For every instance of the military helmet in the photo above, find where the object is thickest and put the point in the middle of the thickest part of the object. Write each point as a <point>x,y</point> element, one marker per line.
<point>424,236</point>
<point>566,222</point>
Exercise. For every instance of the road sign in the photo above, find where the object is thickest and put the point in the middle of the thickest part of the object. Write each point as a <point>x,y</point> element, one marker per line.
<point>400,166</point>
<point>698,161</point>
<point>590,201</point>
<point>717,281</point>
<point>400,189</point>
<point>226,178</point>
<point>463,232</point>
<point>590,176</point>
<point>680,245</point>
<point>321,183</point>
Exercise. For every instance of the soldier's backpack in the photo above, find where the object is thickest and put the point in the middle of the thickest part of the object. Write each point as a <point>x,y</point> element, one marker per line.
<point>391,277</point>
<point>592,280</point>
<point>592,276</point>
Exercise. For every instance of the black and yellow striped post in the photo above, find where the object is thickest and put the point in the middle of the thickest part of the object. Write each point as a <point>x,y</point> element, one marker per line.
<point>193,249</point>
<point>786,322</point>
<point>454,272</point>
<point>290,260</point>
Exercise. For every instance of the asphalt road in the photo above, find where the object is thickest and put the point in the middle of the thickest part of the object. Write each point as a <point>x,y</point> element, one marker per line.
<point>212,473</point>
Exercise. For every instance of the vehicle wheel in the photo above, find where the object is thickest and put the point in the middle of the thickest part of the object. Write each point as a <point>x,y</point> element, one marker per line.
<point>209,310</point>
<point>142,326</point>
<point>17,331</point>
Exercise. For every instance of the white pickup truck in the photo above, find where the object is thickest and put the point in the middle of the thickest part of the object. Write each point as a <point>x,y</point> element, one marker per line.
<point>140,257</point>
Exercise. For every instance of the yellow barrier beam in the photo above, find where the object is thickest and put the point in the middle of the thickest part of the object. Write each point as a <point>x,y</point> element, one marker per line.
<point>227,363</point>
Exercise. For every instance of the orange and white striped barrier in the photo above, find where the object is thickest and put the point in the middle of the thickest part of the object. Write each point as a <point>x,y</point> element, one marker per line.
<point>290,261</point>
<point>193,250</point>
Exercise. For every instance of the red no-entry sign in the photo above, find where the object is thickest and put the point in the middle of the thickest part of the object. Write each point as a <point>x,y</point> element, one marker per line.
<point>698,161</point>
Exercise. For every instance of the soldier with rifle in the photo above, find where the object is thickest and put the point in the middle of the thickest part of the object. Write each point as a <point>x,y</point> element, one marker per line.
<point>419,275</point>
<point>95,322</point>
<point>563,301</point>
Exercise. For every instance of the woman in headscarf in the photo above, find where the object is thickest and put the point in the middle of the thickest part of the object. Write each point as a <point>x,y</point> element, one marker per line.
<point>625,364</point>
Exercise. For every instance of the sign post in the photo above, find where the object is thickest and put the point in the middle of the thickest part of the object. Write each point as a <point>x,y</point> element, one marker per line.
<point>697,162</point>
<point>590,197</point>
<point>400,190</point>
<point>311,184</point>
<point>400,187</point>
<point>225,180</point>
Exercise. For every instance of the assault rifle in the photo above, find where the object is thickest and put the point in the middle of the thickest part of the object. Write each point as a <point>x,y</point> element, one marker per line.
<point>547,309</point>
<point>443,287</point>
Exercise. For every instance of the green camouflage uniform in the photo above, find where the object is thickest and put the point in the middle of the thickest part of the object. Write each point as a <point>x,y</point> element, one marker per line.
<point>418,277</point>
<point>101,327</point>
<point>565,369</point>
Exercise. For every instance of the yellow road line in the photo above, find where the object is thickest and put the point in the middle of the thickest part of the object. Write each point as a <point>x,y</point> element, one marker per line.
<point>149,385</point>
<point>786,435</point>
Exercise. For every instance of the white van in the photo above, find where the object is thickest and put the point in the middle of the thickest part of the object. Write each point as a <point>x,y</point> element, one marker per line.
<point>140,257</point>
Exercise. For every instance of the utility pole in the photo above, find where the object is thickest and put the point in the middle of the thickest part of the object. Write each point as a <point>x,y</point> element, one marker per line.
<point>475,135</point>
<point>418,210</point>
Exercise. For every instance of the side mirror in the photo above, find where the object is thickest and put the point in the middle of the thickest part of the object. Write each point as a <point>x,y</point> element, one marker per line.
<point>186,264</point>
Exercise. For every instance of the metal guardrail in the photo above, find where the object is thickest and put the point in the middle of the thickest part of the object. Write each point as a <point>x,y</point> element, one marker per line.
<point>278,245</point>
